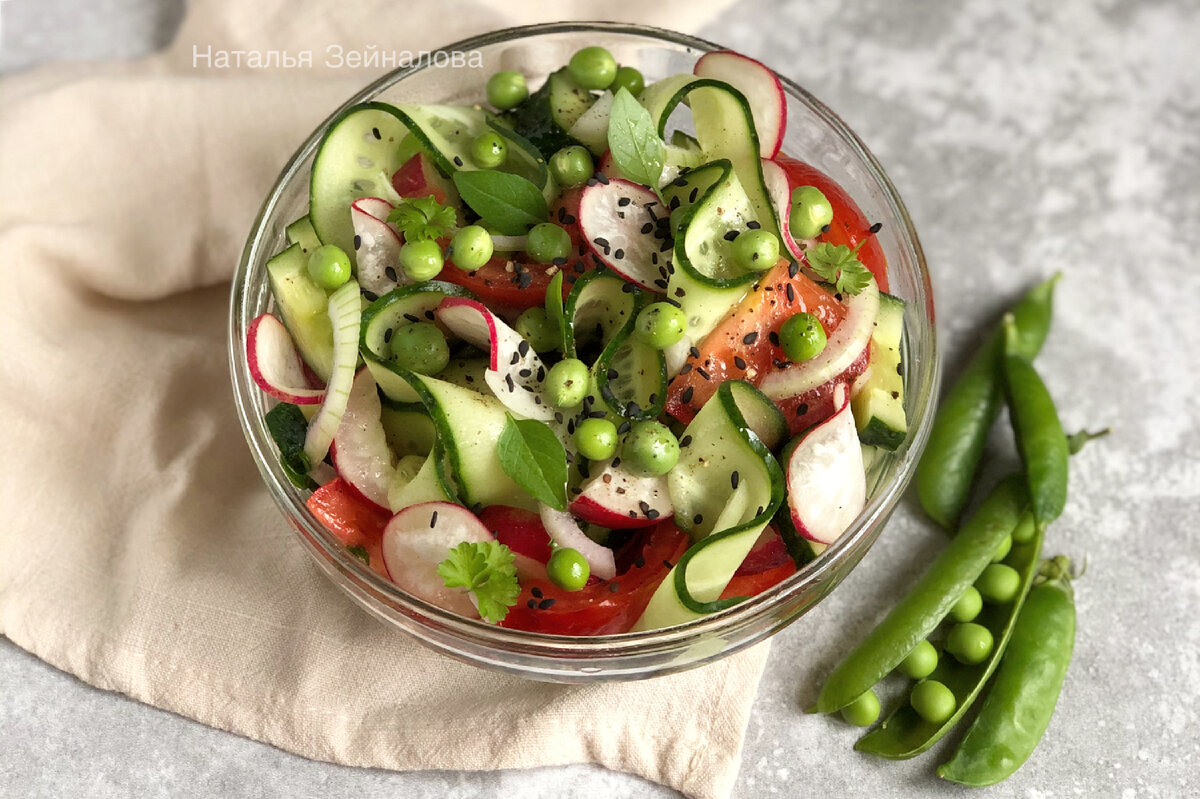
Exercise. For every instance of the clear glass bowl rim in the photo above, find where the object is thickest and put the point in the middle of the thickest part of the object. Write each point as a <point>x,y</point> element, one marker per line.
<point>368,588</point>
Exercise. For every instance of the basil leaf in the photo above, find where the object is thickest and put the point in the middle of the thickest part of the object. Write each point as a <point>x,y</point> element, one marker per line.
<point>554,304</point>
<point>534,458</point>
<point>288,427</point>
<point>636,147</point>
<point>509,203</point>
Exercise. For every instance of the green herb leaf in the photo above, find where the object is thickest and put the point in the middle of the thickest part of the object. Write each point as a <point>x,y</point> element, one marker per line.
<point>1076,441</point>
<point>534,458</point>
<point>839,265</point>
<point>360,553</point>
<point>288,428</point>
<point>487,570</point>
<point>634,142</point>
<point>509,203</point>
<point>422,218</point>
<point>554,303</point>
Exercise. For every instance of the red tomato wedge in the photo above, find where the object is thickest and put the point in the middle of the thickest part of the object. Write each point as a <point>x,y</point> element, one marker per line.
<point>518,529</point>
<point>520,284</point>
<point>606,607</point>
<point>353,520</point>
<point>744,344</point>
<point>849,225</point>
<point>754,584</point>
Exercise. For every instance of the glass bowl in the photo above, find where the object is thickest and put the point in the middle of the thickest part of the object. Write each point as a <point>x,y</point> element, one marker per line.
<point>814,134</point>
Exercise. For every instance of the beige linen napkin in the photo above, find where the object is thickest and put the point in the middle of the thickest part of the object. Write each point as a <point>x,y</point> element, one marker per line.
<point>139,549</point>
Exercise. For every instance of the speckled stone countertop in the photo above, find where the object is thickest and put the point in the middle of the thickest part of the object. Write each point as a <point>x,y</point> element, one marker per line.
<point>1025,138</point>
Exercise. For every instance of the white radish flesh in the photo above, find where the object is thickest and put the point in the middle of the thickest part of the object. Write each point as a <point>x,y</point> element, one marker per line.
<point>628,229</point>
<point>827,486</point>
<point>619,499</point>
<point>420,537</point>
<point>377,246</point>
<point>275,364</point>
<point>360,449</point>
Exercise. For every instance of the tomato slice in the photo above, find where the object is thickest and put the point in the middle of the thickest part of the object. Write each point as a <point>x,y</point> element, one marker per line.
<point>353,520</point>
<point>518,529</point>
<point>754,584</point>
<point>519,284</point>
<point>606,607</point>
<point>744,345</point>
<point>849,225</point>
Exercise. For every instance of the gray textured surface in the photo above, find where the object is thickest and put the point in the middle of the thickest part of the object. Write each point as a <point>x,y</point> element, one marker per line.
<point>1024,140</point>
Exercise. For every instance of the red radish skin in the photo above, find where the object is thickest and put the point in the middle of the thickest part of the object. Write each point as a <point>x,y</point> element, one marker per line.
<point>418,177</point>
<point>825,478</point>
<point>360,450</point>
<point>420,537</point>
<point>762,89</point>
<point>618,499</point>
<point>275,365</point>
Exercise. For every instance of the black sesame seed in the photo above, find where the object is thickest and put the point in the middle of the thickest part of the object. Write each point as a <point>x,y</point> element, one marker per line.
<point>685,441</point>
<point>645,506</point>
<point>525,372</point>
<point>509,381</point>
<point>735,478</point>
<point>537,592</point>
<point>357,241</point>
<point>679,181</point>
<point>739,362</point>
<point>624,201</point>
<point>430,316</point>
<point>698,518</point>
<point>390,272</point>
<point>376,134</point>
<point>731,235</point>
<point>624,427</point>
<point>646,228</point>
<point>547,603</point>
<point>619,254</point>
<point>370,295</point>
<point>687,367</point>
<point>516,358</point>
<point>750,338</point>
<point>686,396</point>
<point>611,374</point>
<point>662,284</point>
<point>653,514</point>
<point>433,520</point>
<point>615,463</point>
<point>458,161</point>
<point>791,293</point>
<point>875,228</point>
<point>701,371</point>
<point>640,562</point>
<point>825,229</point>
<point>523,348</point>
<point>531,604</point>
<point>793,268</point>
<point>774,338</point>
<point>753,225</point>
<point>412,317</point>
<point>802,409</point>
<point>694,352</point>
<point>597,414</point>
<point>559,261</point>
<point>628,288</point>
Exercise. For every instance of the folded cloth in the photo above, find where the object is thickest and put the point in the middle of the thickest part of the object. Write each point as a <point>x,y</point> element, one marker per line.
<point>140,550</point>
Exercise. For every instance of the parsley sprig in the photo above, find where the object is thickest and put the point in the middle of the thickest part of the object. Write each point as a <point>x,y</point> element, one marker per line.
<point>423,218</point>
<point>839,265</point>
<point>488,571</point>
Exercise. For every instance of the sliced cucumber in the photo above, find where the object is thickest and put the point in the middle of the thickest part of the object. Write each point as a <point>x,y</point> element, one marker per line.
<point>408,428</point>
<point>599,305</point>
<point>301,233</point>
<point>429,484</point>
<point>357,158</point>
<point>467,373</point>
<point>682,153</point>
<point>725,489</point>
<point>302,304</point>
<point>591,129</point>
<point>546,115</point>
<point>399,307</point>
<point>878,396</point>
<point>468,427</point>
<point>631,377</point>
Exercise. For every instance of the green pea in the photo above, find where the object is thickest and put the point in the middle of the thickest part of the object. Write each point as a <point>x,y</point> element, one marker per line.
<point>535,327</point>
<point>661,324</point>
<point>420,347</point>
<point>920,662</point>
<point>756,250</point>
<point>1003,550</point>
<point>970,643</point>
<point>998,584</point>
<point>329,266</point>
<point>572,166</point>
<point>547,242</point>
<point>489,150</point>
<point>471,247</point>
<point>933,701</point>
<point>1025,529</point>
<point>593,68</point>
<point>628,78</point>
<point>651,447</point>
<point>506,89</point>
<point>968,606</point>
<point>422,260</point>
<point>810,213</point>
<point>596,439</point>
<point>567,382</point>
<point>863,711</point>
<point>568,569</point>
<point>802,337</point>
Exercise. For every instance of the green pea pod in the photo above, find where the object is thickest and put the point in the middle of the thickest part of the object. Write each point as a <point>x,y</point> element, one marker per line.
<point>905,734</point>
<point>1021,701</point>
<point>916,616</point>
<point>971,406</point>
<point>1040,438</point>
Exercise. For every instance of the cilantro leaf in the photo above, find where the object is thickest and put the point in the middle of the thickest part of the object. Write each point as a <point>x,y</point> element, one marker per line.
<point>534,458</point>
<point>634,142</point>
<point>488,571</point>
<point>839,265</point>
<point>422,218</point>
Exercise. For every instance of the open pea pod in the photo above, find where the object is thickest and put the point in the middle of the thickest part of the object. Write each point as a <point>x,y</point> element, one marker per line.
<point>905,734</point>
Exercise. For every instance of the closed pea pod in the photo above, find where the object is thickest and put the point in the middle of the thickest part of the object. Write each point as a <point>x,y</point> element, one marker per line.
<point>923,608</point>
<point>1019,705</point>
<point>969,409</point>
<point>1040,438</point>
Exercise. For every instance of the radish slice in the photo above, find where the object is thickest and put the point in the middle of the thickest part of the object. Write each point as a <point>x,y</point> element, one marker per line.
<point>276,366</point>
<point>629,230</point>
<point>761,87</point>
<point>420,537</point>
<point>345,312</point>
<point>591,129</point>
<point>360,449</point>
<point>515,373</point>
<point>619,499</point>
<point>827,486</point>
<point>377,246</point>
<point>565,532</point>
<point>677,354</point>
<point>780,195</point>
